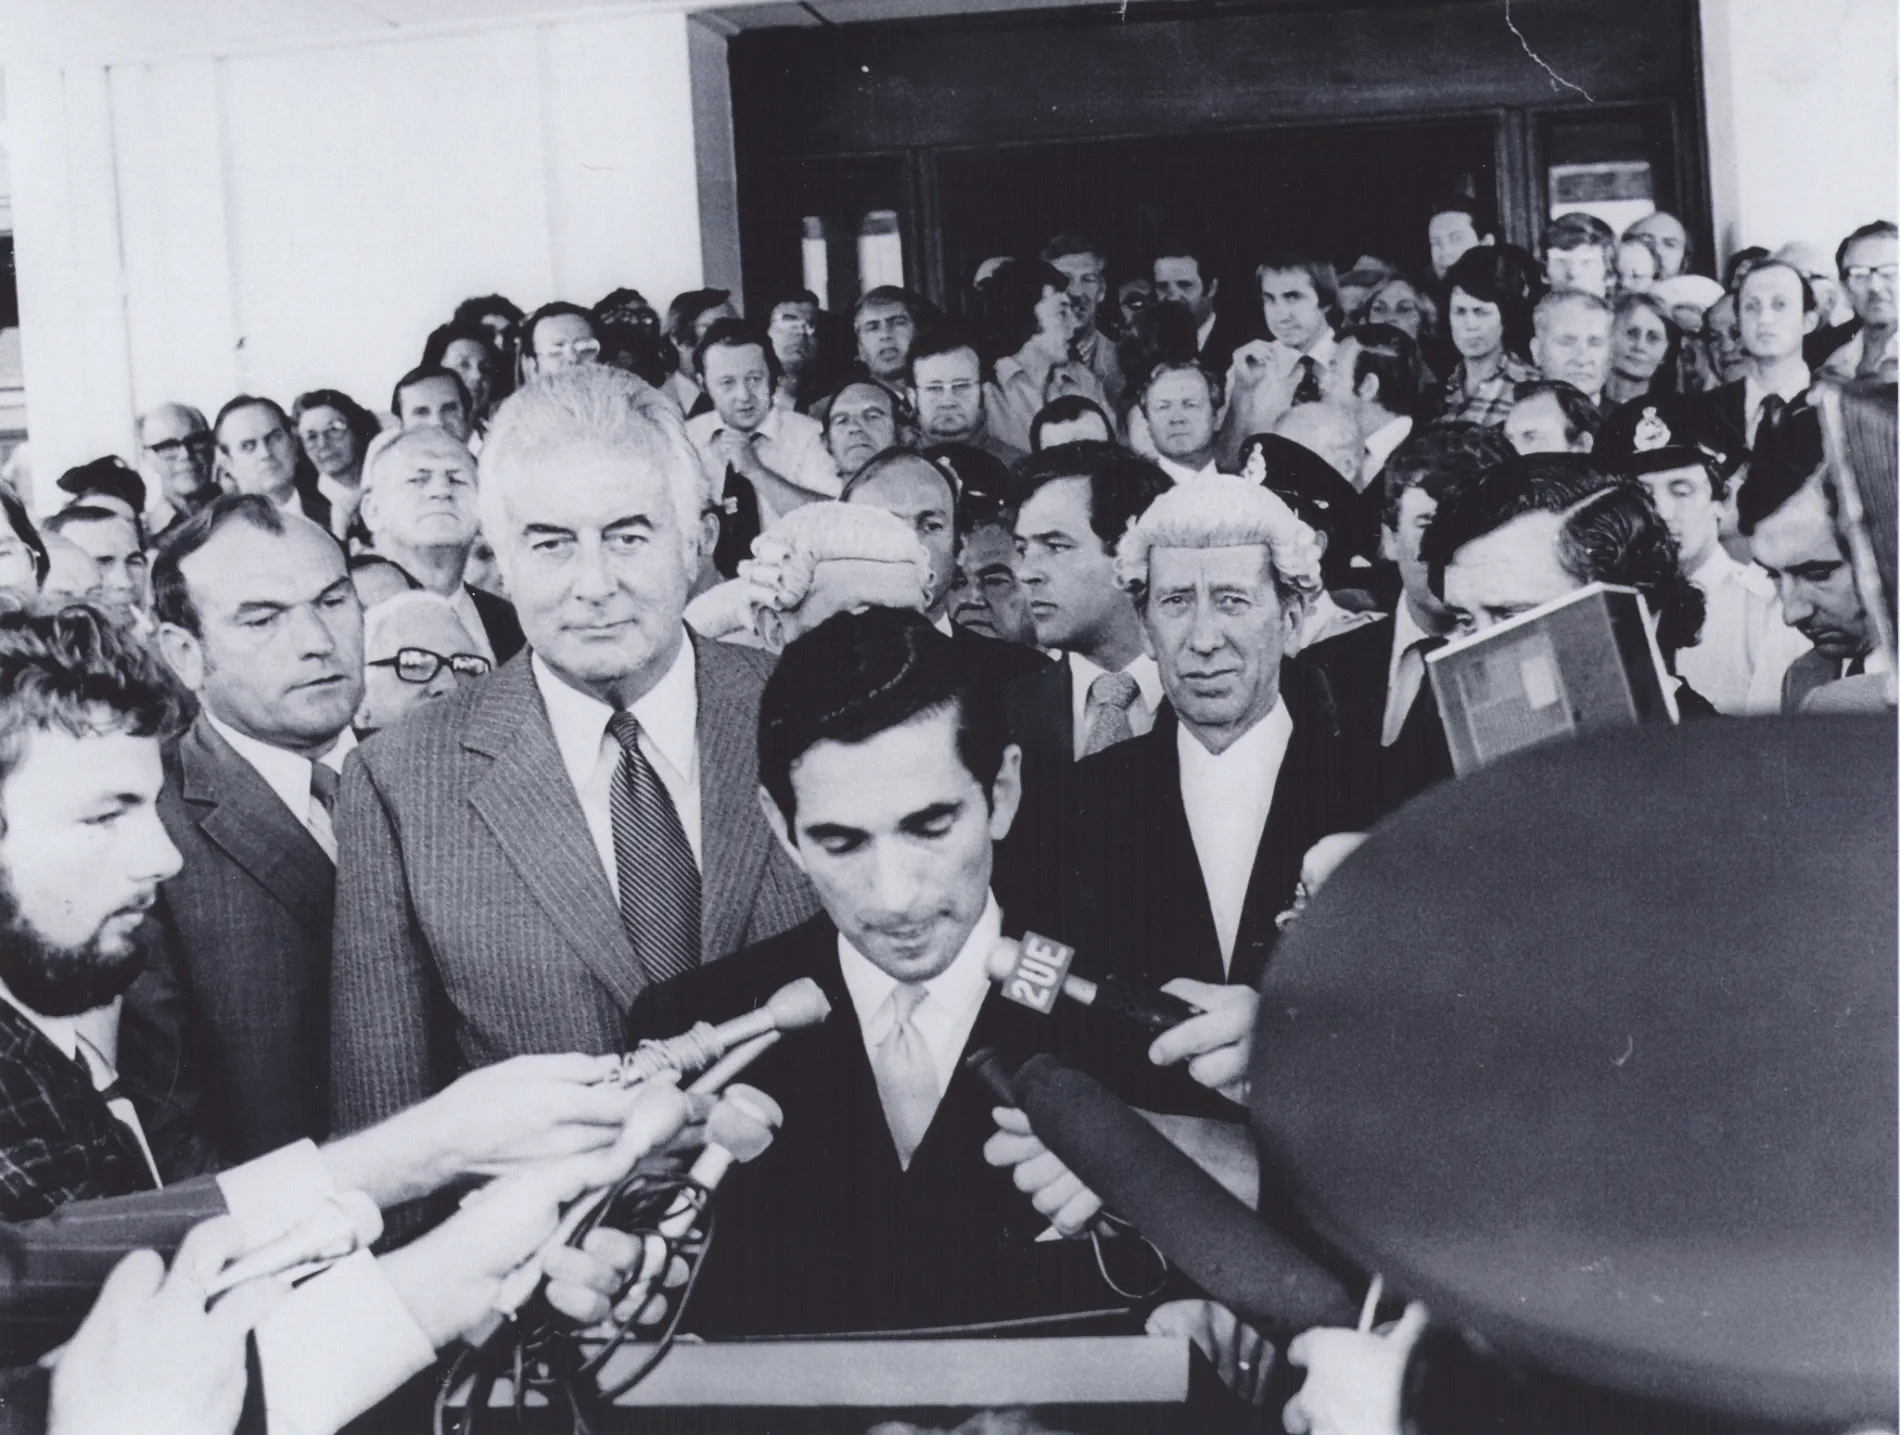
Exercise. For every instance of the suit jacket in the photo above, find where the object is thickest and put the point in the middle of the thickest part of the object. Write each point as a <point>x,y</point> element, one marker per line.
<point>316,507</point>
<point>826,1232</point>
<point>1726,405</point>
<point>1806,673</point>
<point>1355,664</point>
<point>58,1140</point>
<point>1129,883</point>
<point>499,623</point>
<point>994,661</point>
<point>226,1033</point>
<point>474,920</point>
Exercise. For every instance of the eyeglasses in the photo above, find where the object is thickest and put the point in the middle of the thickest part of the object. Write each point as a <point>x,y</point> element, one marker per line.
<point>582,349</point>
<point>191,443</point>
<point>1864,273</point>
<point>419,665</point>
<point>333,432</point>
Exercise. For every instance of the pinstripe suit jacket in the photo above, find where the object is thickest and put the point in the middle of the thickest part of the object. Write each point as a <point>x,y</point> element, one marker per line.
<point>474,920</point>
<point>225,1038</point>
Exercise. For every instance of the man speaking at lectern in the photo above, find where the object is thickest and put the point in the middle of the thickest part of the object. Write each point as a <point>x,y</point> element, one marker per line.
<point>887,777</point>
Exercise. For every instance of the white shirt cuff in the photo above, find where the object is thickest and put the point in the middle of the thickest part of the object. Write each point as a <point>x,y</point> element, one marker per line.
<point>274,1192</point>
<point>336,1346</point>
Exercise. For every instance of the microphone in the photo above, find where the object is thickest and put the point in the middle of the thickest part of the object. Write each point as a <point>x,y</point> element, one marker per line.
<point>744,1108</point>
<point>796,1004</point>
<point>1032,972</point>
<point>343,1224</point>
<point>1206,1233</point>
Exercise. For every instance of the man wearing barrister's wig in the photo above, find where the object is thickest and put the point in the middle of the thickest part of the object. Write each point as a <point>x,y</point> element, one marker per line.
<point>1186,841</point>
<point>819,559</point>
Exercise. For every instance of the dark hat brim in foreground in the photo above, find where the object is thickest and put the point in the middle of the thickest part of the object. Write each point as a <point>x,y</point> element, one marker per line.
<point>1594,1053</point>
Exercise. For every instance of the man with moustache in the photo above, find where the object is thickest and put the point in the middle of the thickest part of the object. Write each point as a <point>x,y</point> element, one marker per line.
<point>229,1027</point>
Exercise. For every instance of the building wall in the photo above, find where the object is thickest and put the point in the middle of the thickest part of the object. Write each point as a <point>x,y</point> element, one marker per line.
<point>190,228</point>
<point>1802,118</point>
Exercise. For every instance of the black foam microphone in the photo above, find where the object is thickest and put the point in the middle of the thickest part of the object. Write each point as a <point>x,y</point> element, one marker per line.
<point>1207,1234</point>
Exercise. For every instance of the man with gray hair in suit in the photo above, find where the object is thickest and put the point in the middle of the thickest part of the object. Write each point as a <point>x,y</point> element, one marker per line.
<point>523,858</point>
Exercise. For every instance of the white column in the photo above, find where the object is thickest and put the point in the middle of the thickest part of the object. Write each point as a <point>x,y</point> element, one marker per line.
<point>1801,108</point>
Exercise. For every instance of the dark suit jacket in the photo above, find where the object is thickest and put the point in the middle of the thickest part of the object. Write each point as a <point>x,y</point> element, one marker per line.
<point>1133,893</point>
<point>826,1232</point>
<point>1355,664</point>
<point>58,1140</point>
<point>226,1033</point>
<point>499,623</point>
<point>1725,405</point>
<point>1806,673</point>
<point>316,507</point>
<point>994,661</point>
<point>474,920</point>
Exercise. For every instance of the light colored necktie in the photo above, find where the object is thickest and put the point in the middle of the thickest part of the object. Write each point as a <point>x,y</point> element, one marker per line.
<point>1110,697</point>
<point>1405,685</point>
<point>906,1076</point>
<point>105,1081</point>
<point>323,787</point>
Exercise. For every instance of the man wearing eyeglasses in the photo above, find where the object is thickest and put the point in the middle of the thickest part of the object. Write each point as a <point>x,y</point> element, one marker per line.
<point>1867,262</point>
<point>416,651</point>
<point>175,446</point>
<point>946,377</point>
<point>558,336</point>
<point>419,506</point>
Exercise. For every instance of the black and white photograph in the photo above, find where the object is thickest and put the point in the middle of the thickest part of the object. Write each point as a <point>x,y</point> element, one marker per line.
<point>949,717</point>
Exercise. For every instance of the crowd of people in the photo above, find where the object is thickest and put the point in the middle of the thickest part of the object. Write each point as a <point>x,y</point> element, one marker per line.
<point>370,778</point>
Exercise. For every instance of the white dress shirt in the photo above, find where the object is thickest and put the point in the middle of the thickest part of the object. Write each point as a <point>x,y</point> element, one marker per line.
<point>669,738</point>
<point>1228,797</point>
<point>791,444</point>
<point>944,1018</point>
<point>1141,712</point>
<point>464,604</point>
<point>344,500</point>
<point>1405,632</point>
<point>1180,472</point>
<point>288,775</point>
<point>1745,647</point>
<point>1204,331</point>
<point>1753,392</point>
<point>1379,445</point>
<point>1284,358</point>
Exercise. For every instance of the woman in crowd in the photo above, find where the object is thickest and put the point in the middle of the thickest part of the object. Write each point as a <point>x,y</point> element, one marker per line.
<point>1638,264</point>
<point>335,433</point>
<point>1490,295</point>
<point>467,350</point>
<point>1644,343</point>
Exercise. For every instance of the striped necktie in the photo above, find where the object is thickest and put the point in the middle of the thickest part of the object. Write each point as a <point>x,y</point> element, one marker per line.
<point>659,880</point>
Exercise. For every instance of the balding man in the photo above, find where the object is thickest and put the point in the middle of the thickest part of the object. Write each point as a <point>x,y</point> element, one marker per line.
<point>1671,238</point>
<point>175,447</point>
<point>522,859</point>
<point>1329,430</point>
<point>419,506</point>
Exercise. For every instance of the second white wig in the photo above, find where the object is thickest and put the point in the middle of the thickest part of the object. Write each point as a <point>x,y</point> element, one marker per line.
<point>1223,510</point>
<point>786,556</point>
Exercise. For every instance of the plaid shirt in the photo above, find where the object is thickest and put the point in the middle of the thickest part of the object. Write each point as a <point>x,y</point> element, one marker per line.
<point>58,1140</point>
<point>1494,397</point>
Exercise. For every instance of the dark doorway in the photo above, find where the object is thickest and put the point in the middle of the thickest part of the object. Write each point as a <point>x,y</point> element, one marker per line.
<point>1332,192</point>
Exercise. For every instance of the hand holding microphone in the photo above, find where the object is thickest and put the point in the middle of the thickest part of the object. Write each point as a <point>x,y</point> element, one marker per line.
<point>1206,1025</point>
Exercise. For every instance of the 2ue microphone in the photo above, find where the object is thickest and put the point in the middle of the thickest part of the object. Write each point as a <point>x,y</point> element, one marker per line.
<point>1036,972</point>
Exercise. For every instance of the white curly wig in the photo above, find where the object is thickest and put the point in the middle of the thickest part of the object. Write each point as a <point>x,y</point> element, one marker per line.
<point>1223,510</point>
<point>786,556</point>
